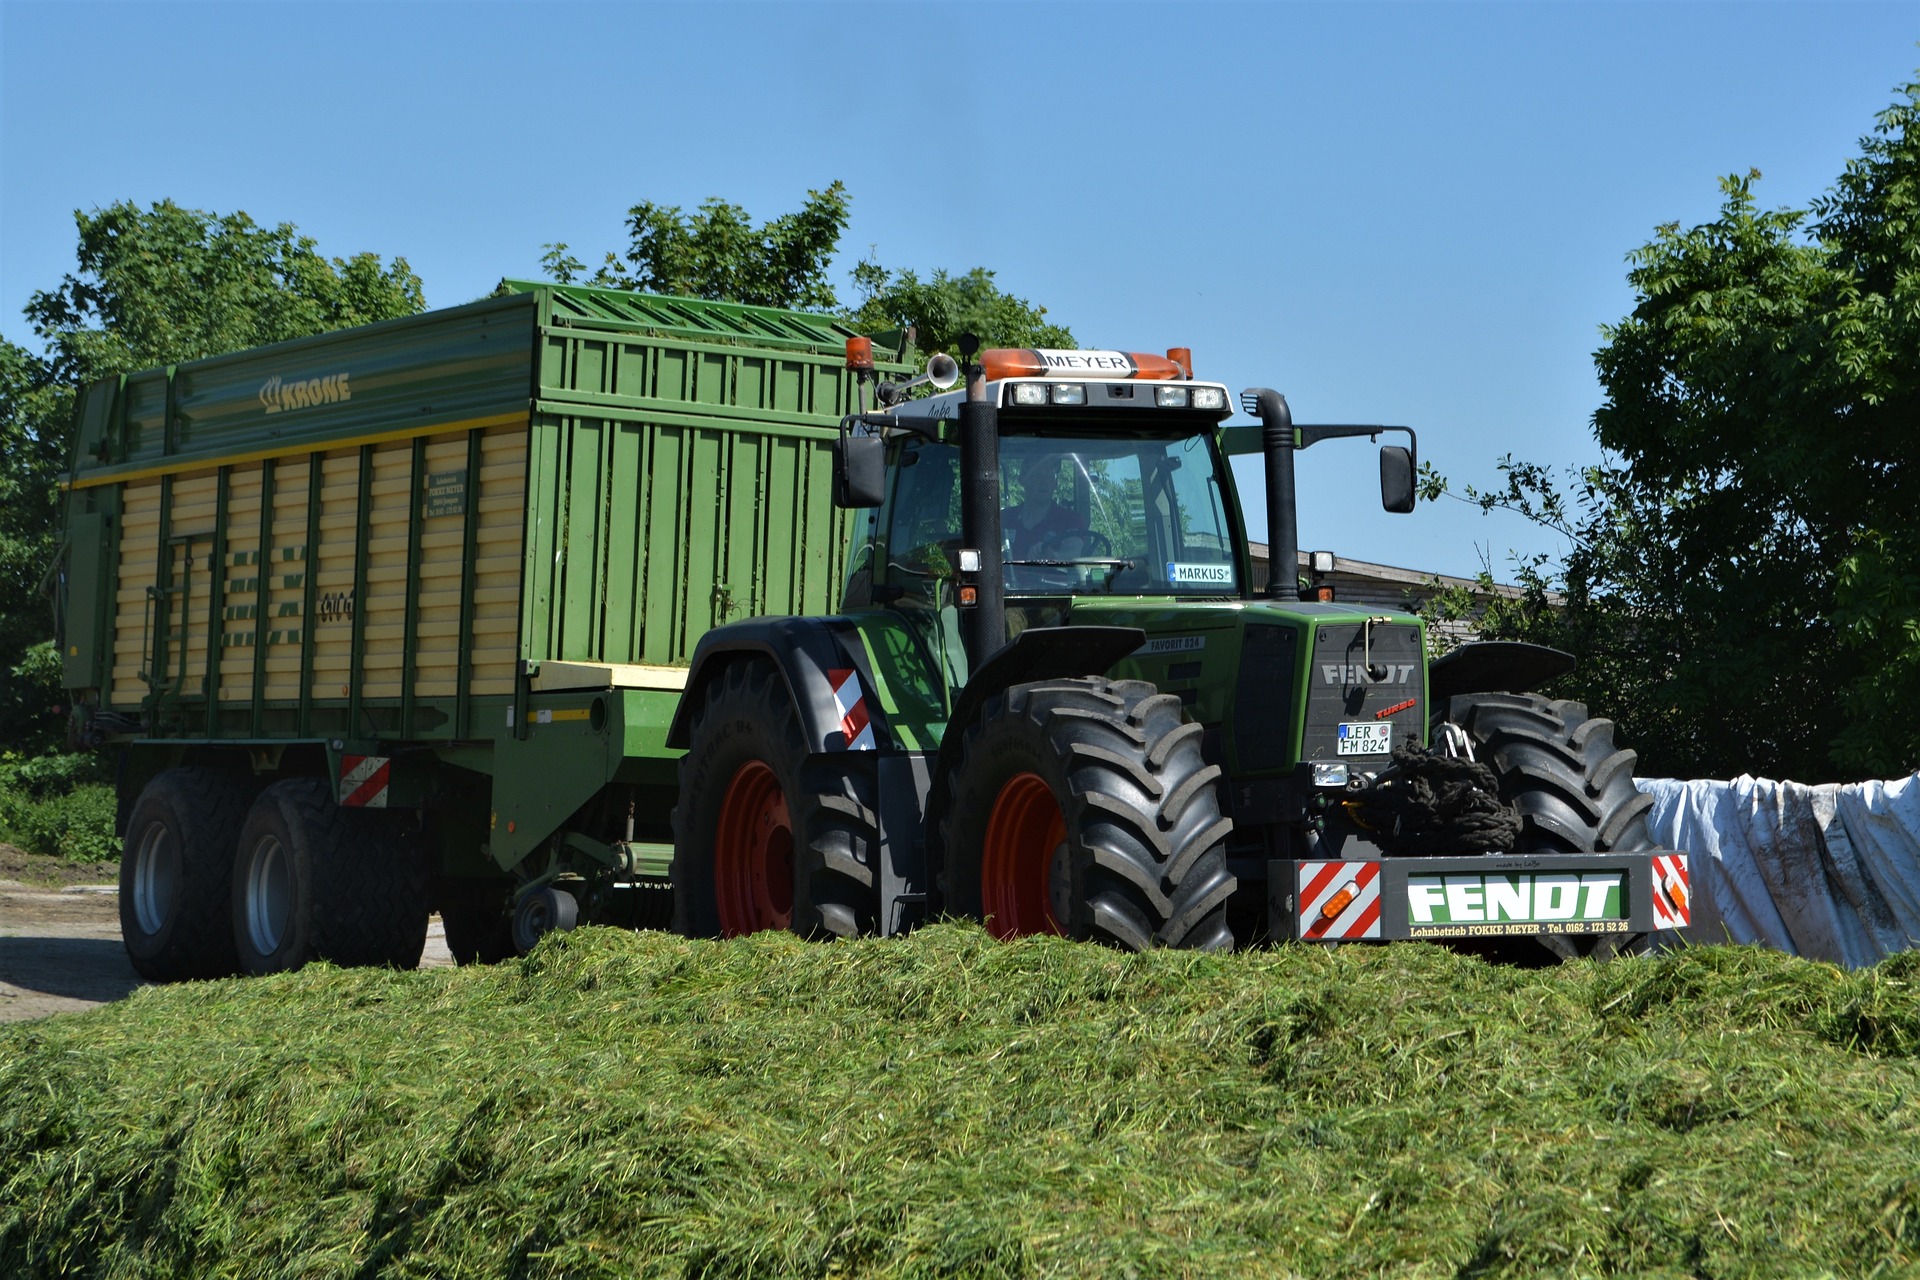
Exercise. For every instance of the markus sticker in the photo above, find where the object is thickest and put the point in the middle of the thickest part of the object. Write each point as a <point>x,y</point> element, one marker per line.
<point>1211,575</point>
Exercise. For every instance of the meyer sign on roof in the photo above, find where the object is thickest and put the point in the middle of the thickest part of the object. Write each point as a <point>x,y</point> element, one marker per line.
<point>1113,364</point>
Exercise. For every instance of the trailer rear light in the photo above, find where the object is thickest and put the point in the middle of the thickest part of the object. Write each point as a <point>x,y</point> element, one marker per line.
<point>1171,397</point>
<point>1029,393</point>
<point>1209,397</point>
<point>1069,393</point>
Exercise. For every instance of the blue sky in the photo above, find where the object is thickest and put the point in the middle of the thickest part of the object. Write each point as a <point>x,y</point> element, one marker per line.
<point>1412,214</point>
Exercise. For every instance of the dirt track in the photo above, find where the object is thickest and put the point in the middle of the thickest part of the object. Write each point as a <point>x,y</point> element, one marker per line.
<point>60,949</point>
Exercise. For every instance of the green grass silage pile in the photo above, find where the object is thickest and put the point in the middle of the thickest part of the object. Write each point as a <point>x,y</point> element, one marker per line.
<point>945,1105</point>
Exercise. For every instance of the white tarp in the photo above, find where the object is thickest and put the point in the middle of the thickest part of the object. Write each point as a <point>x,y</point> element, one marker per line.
<point>1828,872</point>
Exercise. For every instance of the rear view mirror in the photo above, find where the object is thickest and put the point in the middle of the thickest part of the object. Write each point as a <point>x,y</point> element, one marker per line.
<point>1396,479</point>
<point>859,471</point>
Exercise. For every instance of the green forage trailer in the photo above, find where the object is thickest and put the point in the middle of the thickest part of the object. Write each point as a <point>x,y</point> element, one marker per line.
<point>395,619</point>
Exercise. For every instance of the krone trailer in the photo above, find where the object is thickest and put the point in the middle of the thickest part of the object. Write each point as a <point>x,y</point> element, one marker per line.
<point>395,619</point>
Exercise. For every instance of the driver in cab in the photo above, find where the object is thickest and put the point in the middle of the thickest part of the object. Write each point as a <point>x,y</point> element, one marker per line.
<point>1038,528</point>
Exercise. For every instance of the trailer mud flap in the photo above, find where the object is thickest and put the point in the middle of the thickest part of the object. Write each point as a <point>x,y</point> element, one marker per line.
<point>1485,896</point>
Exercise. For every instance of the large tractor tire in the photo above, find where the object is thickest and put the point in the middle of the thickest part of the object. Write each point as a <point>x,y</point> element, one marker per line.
<point>176,875</point>
<point>763,839</point>
<point>1560,769</point>
<point>316,881</point>
<point>1083,807</point>
<point>1572,787</point>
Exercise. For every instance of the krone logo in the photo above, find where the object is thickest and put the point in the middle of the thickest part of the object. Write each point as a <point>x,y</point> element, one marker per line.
<point>278,395</point>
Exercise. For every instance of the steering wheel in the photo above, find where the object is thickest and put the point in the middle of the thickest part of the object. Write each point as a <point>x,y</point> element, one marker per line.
<point>1092,544</point>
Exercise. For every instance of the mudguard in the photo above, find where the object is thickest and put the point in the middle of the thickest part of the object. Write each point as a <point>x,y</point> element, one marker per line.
<point>1494,666</point>
<point>823,665</point>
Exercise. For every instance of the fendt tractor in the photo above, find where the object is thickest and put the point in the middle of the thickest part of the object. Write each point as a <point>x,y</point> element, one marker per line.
<point>575,605</point>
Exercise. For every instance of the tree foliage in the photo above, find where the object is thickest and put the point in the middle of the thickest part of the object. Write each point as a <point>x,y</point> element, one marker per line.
<point>941,307</point>
<point>153,286</point>
<point>1743,583</point>
<point>718,253</point>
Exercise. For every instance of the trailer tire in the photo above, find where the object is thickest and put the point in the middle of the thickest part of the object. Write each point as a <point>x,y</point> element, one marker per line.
<point>315,881</point>
<point>176,875</point>
<point>763,836</point>
<point>1084,807</point>
<point>474,915</point>
<point>1560,769</point>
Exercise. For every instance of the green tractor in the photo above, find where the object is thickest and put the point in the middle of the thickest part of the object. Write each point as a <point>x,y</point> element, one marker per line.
<point>1054,702</point>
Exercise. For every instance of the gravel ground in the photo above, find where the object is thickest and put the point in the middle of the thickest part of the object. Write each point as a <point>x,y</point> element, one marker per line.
<point>60,948</point>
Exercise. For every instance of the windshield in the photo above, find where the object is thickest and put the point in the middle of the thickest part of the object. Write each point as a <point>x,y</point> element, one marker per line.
<point>1081,515</point>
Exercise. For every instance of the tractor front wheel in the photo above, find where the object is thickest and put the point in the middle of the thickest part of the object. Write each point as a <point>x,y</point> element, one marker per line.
<point>1573,789</point>
<point>763,838</point>
<point>1083,807</point>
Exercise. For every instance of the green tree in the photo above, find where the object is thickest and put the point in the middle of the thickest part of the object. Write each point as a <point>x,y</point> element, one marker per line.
<point>941,307</point>
<point>717,252</point>
<point>1742,584</point>
<point>153,286</point>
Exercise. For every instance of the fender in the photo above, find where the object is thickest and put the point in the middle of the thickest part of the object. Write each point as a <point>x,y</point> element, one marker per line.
<point>1494,666</point>
<point>805,651</point>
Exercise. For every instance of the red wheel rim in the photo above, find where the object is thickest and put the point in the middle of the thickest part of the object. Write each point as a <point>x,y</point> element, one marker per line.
<point>1024,831</point>
<point>753,854</point>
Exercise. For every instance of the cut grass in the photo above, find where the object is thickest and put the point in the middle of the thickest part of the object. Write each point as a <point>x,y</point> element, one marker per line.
<point>945,1105</point>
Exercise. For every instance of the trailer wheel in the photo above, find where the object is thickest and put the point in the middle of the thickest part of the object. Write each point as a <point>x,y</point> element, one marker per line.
<point>1084,807</point>
<point>1559,767</point>
<point>474,916</point>
<point>316,881</point>
<point>176,875</point>
<point>546,910</point>
<point>763,839</point>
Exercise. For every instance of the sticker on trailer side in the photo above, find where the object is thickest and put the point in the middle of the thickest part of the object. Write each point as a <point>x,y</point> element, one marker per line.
<point>1491,895</point>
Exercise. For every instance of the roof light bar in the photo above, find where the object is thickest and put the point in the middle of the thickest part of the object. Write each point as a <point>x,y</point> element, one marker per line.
<point>1048,362</point>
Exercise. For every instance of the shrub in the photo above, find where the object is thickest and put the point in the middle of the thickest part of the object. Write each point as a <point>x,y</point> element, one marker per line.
<point>77,826</point>
<point>58,805</point>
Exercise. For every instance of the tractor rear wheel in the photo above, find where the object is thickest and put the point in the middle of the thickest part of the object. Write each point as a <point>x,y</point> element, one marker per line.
<point>763,839</point>
<point>1083,807</point>
<point>176,875</point>
<point>316,881</point>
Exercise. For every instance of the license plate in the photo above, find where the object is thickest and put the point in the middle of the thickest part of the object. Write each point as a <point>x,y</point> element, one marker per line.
<point>1366,739</point>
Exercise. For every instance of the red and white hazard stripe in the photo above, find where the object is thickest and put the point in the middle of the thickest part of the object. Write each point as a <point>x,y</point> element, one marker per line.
<point>363,781</point>
<point>1339,900</point>
<point>855,723</point>
<point>1672,892</point>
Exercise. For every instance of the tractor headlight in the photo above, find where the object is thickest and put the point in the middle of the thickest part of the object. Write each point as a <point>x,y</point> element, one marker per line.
<point>1329,775</point>
<point>1029,393</point>
<point>1069,393</point>
<point>1170,397</point>
<point>1209,398</point>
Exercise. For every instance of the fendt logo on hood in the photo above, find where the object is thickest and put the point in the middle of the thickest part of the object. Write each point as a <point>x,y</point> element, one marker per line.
<point>1355,673</point>
<point>279,395</point>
